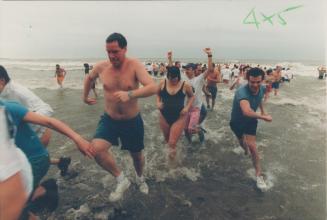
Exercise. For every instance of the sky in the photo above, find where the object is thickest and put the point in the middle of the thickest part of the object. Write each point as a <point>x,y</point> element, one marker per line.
<point>78,29</point>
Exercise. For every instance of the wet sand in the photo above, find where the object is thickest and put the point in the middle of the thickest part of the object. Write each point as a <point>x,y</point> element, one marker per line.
<point>213,180</point>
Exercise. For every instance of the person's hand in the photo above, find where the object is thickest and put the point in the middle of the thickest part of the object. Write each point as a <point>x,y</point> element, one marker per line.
<point>184,111</point>
<point>160,105</point>
<point>169,54</point>
<point>207,51</point>
<point>267,118</point>
<point>85,147</point>
<point>90,101</point>
<point>122,96</point>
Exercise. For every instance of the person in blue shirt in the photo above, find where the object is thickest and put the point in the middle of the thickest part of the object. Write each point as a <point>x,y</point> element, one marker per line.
<point>27,140</point>
<point>244,118</point>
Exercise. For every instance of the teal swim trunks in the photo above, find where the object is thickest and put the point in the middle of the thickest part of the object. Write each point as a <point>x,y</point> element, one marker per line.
<point>130,132</point>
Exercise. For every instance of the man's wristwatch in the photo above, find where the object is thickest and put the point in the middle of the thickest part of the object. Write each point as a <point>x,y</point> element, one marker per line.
<point>130,94</point>
<point>210,55</point>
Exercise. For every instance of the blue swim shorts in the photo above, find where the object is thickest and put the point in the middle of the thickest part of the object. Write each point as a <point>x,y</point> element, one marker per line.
<point>248,128</point>
<point>130,132</point>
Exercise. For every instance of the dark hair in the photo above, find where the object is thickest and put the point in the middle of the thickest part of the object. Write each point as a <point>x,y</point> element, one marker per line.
<point>86,65</point>
<point>4,74</point>
<point>121,40</point>
<point>172,72</point>
<point>255,72</point>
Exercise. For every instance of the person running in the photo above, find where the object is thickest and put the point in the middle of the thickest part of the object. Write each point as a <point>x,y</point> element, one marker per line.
<point>173,113</point>
<point>45,194</point>
<point>10,90</point>
<point>197,82</point>
<point>122,120</point>
<point>60,74</point>
<point>87,69</point>
<point>268,80</point>
<point>212,80</point>
<point>244,118</point>
<point>277,74</point>
<point>226,74</point>
<point>16,180</point>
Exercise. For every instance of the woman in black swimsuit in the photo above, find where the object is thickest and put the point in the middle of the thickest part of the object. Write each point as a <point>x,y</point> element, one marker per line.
<point>170,101</point>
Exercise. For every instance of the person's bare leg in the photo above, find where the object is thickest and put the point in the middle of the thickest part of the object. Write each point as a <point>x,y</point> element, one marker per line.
<point>104,157</point>
<point>95,93</point>
<point>208,101</point>
<point>176,131</point>
<point>165,128</point>
<point>45,139</point>
<point>38,192</point>
<point>213,101</point>
<point>250,142</point>
<point>138,161</point>
<point>12,197</point>
<point>243,145</point>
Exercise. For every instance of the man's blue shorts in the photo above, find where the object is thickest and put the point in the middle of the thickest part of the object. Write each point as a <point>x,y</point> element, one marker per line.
<point>213,90</point>
<point>248,128</point>
<point>130,132</point>
<point>275,85</point>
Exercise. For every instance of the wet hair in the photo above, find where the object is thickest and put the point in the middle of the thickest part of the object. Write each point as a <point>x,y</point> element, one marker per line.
<point>121,40</point>
<point>4,74</point>
<point>172,72</point>
<point>86,65</point>
<point>255,72</point>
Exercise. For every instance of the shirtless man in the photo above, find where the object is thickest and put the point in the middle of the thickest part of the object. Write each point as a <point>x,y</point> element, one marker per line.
<point>60,74</point>
<point>277,74</point>
<point>212,80</point>
<point>120,76</point>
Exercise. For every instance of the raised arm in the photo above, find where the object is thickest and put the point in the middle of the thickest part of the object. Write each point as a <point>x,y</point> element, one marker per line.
<point>210,67</point>
<point>170,58</point>
<point>83,146</point>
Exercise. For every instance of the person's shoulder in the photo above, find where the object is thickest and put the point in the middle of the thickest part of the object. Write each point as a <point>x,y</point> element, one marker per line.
<point>134,61</point>
<point>20,90</point>
<point>243,89</point>
<point>101,65</point>
<point>187,84</point>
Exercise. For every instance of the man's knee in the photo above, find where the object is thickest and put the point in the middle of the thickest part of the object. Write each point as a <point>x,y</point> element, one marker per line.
<point>100,147</point>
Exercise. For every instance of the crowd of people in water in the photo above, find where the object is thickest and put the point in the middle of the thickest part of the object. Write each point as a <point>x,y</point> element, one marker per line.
<point>184,94</point>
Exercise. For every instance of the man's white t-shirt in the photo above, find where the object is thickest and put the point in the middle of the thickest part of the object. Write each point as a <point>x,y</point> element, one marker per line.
<point>226,73</point>
<point>236,71</point>
<point>197,83</point>
<point>17,92</point>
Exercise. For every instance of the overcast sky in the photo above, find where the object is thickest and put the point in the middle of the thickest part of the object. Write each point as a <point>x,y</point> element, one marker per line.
<point>72,29</point>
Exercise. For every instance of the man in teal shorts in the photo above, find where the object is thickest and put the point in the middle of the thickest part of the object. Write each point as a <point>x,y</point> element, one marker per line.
<point>121,77</point>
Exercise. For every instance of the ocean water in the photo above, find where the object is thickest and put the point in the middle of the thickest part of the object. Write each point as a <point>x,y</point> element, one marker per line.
<point>214,180</point>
